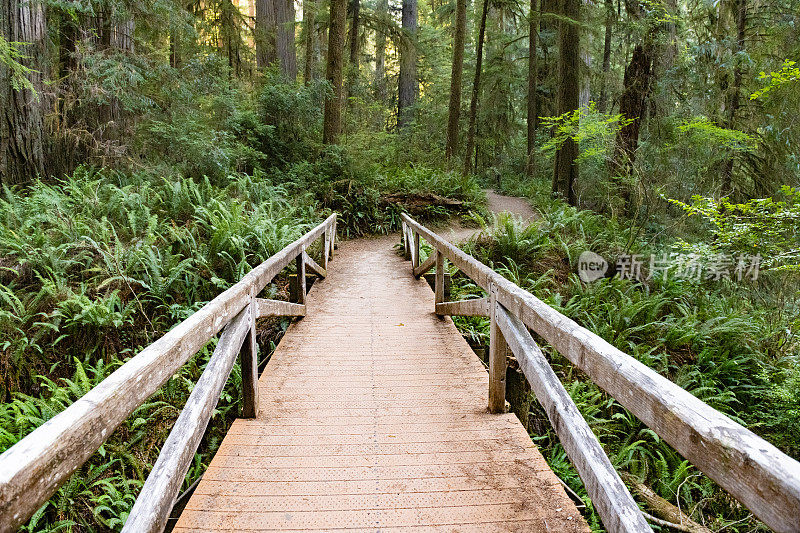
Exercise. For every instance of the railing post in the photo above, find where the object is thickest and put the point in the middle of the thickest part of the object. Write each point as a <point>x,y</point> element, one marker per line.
<point>300,286</point>
<point>439,283</point>
<point>326,248</point>
<point>415,252</point>
<point>249,361</point>
<point>497,358</point>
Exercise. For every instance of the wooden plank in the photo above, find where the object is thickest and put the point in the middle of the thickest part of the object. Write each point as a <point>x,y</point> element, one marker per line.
<point>249,363</point>
<point>349,450</point>
<point>32,469</point>
<point>152,508</point>
<point>497,360</point>
<point>754,471</point>
<point>424,267</point>
<point>315,268</point>
<point>476,307</point>
<point>610,497</point>
<point>265,307</point>
<point>326,249</point>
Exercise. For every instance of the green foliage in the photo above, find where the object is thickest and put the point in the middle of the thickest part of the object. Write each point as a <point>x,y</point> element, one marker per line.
<point>10,58</point>
<point>787,75</point>
<point>763,226</point>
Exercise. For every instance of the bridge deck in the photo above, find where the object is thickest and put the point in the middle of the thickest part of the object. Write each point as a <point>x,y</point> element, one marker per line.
<point>373,418</point>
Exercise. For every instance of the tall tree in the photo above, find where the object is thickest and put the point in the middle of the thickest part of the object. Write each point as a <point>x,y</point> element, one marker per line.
<point>565,171</point>
<point>603,100</point>
<point>309,38</point>
<point>380,50</point>
<point>275,34</point>
<point>533,86</point>
<point>355,43</point>
<point>454,112</point>
<point>332,125</point>
<point>476,84</point>
<point>407,81</point>
<point>637,85</point>
<point>265,34</point>
<point>22,109</point>
<point>732,103</point>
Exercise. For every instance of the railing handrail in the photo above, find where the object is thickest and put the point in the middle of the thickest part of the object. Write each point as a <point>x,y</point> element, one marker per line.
<point>758,474</point>
<point>33,469</point>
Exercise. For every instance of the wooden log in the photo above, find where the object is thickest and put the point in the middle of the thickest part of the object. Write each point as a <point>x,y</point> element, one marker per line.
<point>265,307</point>
<point>152,508</point>
<point>476,307</point>
<point>497,360</point>
<point>611,498</point>
<point>313,266</point>
<point>439,287</point>
<point>756,473</point>
<point>662,508</point>
<point>425,266</point>
<point>249,363</point>
<point>32,469</point>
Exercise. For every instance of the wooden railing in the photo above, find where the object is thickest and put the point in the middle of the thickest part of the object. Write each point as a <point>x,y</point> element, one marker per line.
<point>33,469</point>
<point>756,473</point>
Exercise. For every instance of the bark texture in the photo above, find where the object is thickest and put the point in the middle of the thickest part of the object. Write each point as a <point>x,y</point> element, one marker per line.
<point>407,83</point>
<point>454,112</point>
<point>476,84</point>
<point>332,125</point>
<point>533,83</point>
<point>22,131</point>
<point>309,39</point>
<point>380,51</point>
<point>565,172</point>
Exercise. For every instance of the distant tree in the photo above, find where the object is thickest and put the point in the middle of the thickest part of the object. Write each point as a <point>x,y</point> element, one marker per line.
<point>476,83</point>
<point>382,13</point>
<point>332,125</point>
<point>275,36</point>
<point>565,172</point>
<point>309,38</point>
<point>454,111</point>
<point>407,82</point>
<point>533,86</point>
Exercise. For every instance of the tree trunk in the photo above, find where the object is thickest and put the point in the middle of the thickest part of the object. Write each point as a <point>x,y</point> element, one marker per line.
<point>565,172</point>
<point>287,54</point>
<point>309,38</point>
<point>355,43</point>
<point>637,85</point>
<point>533,84</point>
<point>603,101</point>
<point>740,11</point>
<point>265,34</point>
<point>332,126</point>
<point>380,51</point>
<point>22,134</point>
<point>476,83</point>
<point>454,112</point>
<point>407,82</point>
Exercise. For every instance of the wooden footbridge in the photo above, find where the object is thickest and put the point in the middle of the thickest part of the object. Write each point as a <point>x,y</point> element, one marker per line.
<point>372,415</point>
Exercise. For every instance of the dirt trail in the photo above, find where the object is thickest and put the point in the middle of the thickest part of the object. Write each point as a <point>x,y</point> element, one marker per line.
<point>497,203</point>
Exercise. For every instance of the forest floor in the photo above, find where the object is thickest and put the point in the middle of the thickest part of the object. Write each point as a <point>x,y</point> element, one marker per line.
<point>496,203</point>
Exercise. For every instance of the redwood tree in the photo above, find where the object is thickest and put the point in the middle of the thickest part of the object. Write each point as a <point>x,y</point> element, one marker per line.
<point>407,82</point>
<point>565,172</point>
<point>454,112</point>
<point>476,84</point>
<point>22,109</point>
<point>332,125</point>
